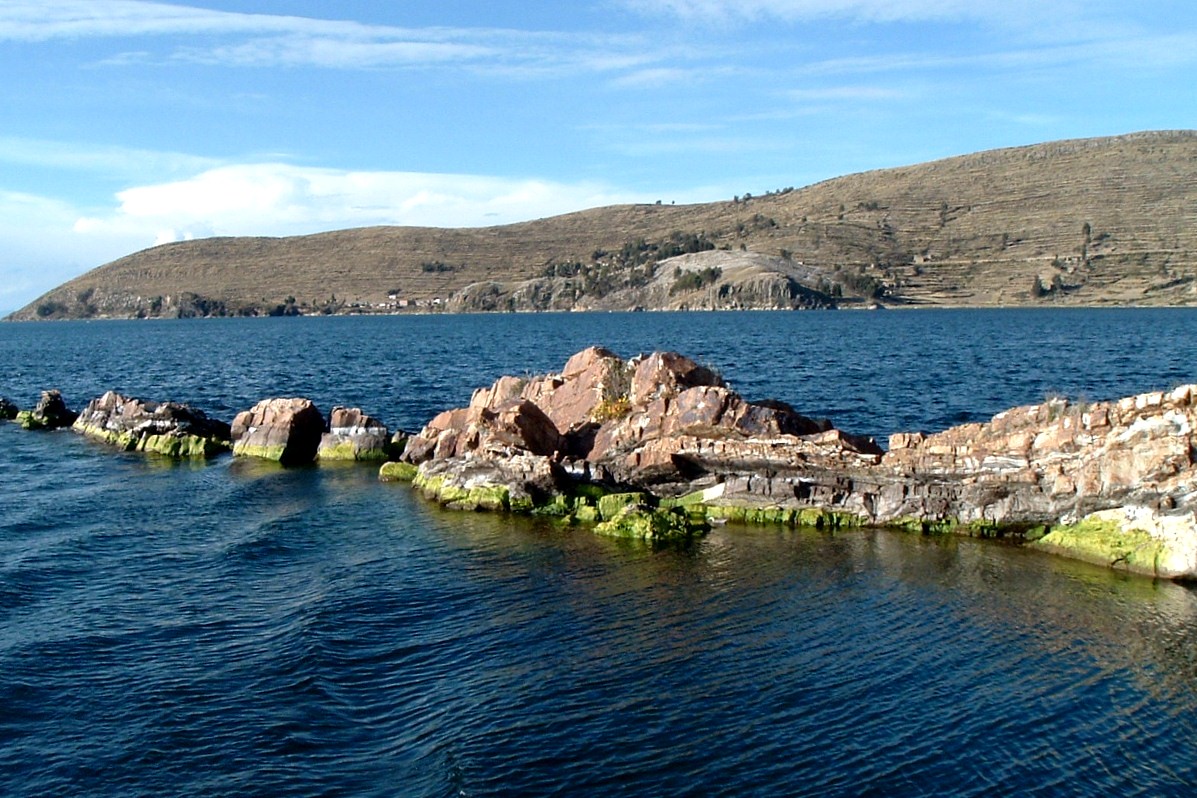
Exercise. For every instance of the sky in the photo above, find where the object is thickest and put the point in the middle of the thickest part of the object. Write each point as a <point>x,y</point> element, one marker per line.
<point>125,124</point>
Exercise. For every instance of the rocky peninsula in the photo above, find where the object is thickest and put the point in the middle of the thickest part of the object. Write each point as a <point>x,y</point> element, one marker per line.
<point>658,447</point>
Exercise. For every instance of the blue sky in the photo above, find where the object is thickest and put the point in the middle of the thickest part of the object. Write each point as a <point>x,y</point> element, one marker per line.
<point>128,123</point>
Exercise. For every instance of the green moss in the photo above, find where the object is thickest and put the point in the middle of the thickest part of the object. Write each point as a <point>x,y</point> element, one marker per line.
<point>1106,542</point>
<point>348,451</point>
<point>812,517</point>
<point>610,505</point>
<point>166,445</point>
<point>28,420</point>
<point>646,523</point>
<point>274,453</point>
<point>586,514</point>
<point>397,472</point>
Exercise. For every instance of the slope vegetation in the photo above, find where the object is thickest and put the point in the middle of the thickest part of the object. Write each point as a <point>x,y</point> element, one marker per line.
<point>1093,222</point>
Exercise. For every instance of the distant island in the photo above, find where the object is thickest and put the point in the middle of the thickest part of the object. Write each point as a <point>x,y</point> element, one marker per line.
<point>1106,221</point>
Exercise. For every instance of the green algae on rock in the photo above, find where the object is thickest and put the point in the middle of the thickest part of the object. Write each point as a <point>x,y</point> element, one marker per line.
<point>686,444</point>
<point>285,430</point>
<point>354,436</point>
<point>166,428</point>
<point>1137,539</point>
<point>50,413</point>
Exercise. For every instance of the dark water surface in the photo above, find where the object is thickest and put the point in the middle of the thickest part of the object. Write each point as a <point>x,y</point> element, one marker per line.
<point>234,628</point>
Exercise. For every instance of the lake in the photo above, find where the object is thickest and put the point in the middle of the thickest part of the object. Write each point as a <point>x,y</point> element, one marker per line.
<point>235,628</point>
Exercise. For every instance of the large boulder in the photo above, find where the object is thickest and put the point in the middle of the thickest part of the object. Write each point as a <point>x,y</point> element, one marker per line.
<point>167,428</point>
<point>353,435</point>
<point>285,430</point>
<point>51,412</point>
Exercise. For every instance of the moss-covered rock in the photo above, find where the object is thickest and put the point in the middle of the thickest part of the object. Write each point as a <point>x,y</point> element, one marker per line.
<point>642,522</point>
<point>51,412</point>
<point>397,472</point>
<point>1104,538</point>
<point>612,504</point>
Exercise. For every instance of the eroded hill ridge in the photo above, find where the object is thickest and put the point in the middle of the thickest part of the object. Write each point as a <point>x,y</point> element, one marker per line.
<point>1107,221</point>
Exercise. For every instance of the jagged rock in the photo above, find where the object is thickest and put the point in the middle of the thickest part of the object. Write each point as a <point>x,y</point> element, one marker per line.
<point>167,428</point>
<point>51,412</point>
<point>1112,482</point>
<point>8,410</point>
<point>285,430</point>
<point>353,435</point>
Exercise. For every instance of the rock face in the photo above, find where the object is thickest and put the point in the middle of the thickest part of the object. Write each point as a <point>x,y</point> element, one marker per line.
<point>661,422</point>
<point>1111,482</point>
<point>353,435</point>
<point>51,412</point>
<point>167,428</point>
<point>285,430</point>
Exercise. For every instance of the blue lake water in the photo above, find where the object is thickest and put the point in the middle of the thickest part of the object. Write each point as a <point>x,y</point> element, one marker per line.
<point>234,628</point>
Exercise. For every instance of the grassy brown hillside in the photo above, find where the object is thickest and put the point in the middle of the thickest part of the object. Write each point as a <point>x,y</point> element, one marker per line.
<point>1095,221</point>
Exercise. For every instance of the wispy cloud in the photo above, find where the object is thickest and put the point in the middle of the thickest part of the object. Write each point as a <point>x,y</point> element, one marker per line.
<point>265,40</point>
<point>847,94</point>
<point>858,10</point>
<point>121,162</point>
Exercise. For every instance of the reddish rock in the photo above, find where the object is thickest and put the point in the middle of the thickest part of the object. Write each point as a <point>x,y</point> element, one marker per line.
<point>286,430</point>
<point>666,374</point>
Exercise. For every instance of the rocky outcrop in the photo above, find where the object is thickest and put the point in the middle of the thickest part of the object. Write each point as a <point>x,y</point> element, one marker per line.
<point>51,412</point>
<point>353,435</point>
<point>8,410</point>
<point>605,425</point>
<point>1111,482</point>
<point>285,430</point>
<point>167,428</point>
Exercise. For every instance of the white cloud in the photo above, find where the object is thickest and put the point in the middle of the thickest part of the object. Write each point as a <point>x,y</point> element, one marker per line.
<point>860,10</point>
<point>281,199</point>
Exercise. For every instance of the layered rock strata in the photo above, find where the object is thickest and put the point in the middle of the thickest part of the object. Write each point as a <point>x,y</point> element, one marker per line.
<point>50,412</point>
<point>167,428</point>
<point>1111,482</point>
<point>284,430</point>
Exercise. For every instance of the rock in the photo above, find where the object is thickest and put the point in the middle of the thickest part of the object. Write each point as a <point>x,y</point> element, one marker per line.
<point>8,410</point>
<point>51,412</point>
<point>353,435</point>
<point>1114,482</point>
<point>644,522</point>
<point>397,472</point>
<point>284,430</point>
<point>666,374</point>
<point>519,483</point>
<point>167,428</point>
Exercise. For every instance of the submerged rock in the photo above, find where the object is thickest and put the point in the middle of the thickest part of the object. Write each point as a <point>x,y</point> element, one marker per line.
<point>167,428</point>
<point>51,412</point>
<point>285,430</point>
<point>353,435</point>
<point>1113,482</point>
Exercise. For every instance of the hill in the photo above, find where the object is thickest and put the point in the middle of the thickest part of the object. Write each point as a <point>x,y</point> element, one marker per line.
<point>1109,221</point>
